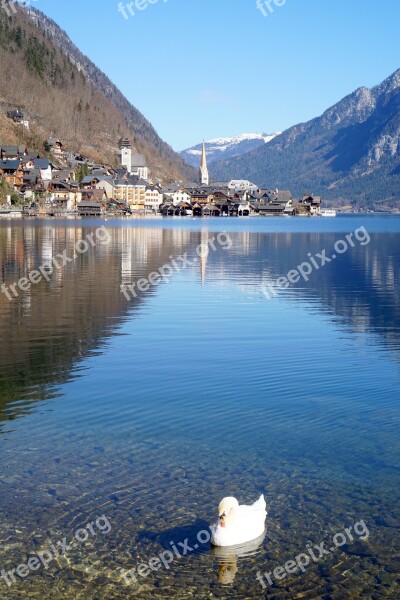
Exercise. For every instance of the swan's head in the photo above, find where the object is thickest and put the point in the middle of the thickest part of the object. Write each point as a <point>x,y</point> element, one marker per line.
<point>227,510</point>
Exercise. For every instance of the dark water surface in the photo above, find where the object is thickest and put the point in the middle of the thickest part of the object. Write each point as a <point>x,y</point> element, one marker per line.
<point>149,411</point>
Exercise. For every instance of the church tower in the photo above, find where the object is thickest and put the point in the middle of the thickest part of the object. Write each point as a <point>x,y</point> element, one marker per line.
<point>125,148</point>
<point>204,178</point>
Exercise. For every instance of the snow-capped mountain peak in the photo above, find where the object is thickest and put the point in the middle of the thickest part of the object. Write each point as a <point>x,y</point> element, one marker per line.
<point>227,147</point>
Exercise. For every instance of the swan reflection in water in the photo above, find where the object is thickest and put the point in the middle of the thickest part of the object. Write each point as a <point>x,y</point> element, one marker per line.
<point>229,558</point>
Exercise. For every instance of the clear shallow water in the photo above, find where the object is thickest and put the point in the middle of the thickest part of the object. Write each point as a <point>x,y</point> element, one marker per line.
<point>150,411</point>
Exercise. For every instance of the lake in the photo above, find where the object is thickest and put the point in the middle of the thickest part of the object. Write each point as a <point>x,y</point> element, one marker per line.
<point>126,415</point>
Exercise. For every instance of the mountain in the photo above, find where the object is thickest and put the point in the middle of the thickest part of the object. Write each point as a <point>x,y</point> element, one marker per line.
<point>224,148</point>
<point>351,152</point>
<point>65,95</point>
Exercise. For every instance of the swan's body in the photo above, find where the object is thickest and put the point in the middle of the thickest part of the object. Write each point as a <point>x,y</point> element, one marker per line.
<point>238,524</point>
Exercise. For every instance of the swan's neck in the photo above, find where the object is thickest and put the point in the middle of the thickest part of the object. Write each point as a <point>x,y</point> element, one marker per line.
<point>231,517</point>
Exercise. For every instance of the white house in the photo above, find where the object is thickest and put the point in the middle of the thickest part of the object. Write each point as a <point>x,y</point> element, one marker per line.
<point>44,166</point>
<point>176,195</point>
<point>153,198</point>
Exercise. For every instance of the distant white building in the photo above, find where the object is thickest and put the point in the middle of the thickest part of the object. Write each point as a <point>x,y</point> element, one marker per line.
<point>242,185</point>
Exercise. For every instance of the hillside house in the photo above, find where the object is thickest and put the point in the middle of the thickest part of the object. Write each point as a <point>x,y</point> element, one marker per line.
<point>13,152</point>
<point>103,171</point>
<point>28,163</point>
<point>64,174</point>
<point>18,117</point>
<point>44,166</point>
<point>89,182</point>
<point>13,172</point>
<point>56,146</point>
<point>32,183</point>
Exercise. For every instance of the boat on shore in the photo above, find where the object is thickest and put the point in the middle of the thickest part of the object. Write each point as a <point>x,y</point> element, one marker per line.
<point>328,212</point>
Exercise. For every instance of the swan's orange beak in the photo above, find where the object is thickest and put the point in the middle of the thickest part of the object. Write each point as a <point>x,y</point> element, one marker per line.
<point>222,520</point>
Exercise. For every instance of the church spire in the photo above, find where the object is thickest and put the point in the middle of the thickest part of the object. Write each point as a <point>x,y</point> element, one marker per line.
<point>204,178</point>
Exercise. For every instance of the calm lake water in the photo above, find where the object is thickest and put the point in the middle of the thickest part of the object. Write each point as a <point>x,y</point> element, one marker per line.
<point>147,412</point>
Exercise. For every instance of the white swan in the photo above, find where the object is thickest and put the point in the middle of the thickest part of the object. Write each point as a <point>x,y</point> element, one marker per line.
<point>238,524</point>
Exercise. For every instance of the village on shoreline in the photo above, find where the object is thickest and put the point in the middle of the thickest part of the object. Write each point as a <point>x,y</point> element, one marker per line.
<point>65,183</point>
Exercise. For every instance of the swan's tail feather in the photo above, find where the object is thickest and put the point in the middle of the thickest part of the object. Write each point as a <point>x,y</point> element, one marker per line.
<point>261,503</point>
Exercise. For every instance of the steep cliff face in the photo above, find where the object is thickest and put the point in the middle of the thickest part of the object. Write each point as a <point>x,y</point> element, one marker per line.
<point>352,151</point>
<point>66,95</point>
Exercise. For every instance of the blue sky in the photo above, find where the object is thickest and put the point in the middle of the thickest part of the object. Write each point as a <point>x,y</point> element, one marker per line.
<point>213,68</point>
